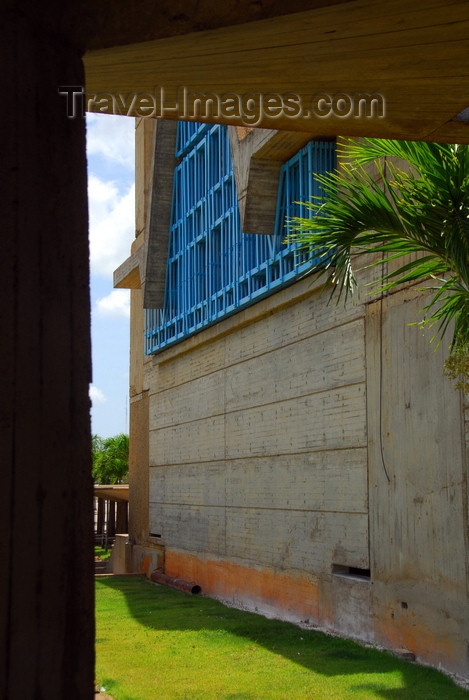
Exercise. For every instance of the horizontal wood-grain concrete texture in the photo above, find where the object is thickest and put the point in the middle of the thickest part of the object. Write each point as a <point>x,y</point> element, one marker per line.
<point>414,55</point>
<point>258,441</point>
<point>418,489</point>
<point>46,500</point>
<point>297,439</point>
<point>272,436</point>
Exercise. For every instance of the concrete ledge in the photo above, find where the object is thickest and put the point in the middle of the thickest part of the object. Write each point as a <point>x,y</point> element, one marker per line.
<point>128,275</point>
<point>112,492</point>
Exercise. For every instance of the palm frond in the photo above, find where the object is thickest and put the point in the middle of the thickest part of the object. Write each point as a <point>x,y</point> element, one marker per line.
<point>420,208</point>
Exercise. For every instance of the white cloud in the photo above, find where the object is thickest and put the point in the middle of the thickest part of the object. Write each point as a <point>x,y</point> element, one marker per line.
<point>112,137</point>
<point>96,395</point>
<point>112,225</point>
<point>115,305</point>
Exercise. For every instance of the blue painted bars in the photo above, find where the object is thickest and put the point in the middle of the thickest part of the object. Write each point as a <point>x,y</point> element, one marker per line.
<point>214,269</point>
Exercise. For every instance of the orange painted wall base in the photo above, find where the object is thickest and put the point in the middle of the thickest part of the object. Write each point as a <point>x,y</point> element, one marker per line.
<point>296,598</point>
<point>292,597</point>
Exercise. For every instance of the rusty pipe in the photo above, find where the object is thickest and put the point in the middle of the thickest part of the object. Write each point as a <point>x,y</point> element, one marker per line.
<point>179,584</point>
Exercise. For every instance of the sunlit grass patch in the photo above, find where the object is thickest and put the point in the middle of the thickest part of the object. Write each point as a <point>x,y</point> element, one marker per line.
<point>153,642</point>
<point>102,553</point>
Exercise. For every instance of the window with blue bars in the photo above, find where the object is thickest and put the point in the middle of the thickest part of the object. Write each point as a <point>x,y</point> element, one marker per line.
<point>214,269</point>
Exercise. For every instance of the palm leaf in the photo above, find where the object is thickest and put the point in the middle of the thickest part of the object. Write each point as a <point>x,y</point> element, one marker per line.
<point>421,208</point>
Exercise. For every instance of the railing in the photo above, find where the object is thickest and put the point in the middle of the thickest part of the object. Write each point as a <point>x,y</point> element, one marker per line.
<point>214,269</point>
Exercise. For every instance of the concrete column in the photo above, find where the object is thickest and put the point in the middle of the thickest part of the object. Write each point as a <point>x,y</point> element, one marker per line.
<point>111,519</point>
<point>121,521</point>
<point>101,515</point>
<point>138,468</point>
<point>46,499</point>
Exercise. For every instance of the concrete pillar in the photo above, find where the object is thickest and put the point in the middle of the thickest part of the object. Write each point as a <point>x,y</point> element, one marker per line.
<point>121,521</point>
<point>46,499</point>
<point>139,404</point>
<point>138,468</point>
<point>101,515</point>
<point>111,519</point>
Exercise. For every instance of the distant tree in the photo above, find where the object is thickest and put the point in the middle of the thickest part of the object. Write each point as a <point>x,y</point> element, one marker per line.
<point>110,459</point>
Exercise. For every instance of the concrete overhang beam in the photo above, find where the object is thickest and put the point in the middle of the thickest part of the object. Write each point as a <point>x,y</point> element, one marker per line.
<point>111,492</point>
<point>128,275</point>
<point>415,56</point>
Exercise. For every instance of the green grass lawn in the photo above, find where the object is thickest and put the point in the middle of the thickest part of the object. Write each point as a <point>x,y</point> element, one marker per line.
<point>153,643</point>
<point>102,553</point>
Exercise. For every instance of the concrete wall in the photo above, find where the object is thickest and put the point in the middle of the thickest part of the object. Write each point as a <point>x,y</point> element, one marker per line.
<point>309,461</point>
<point>418,489</point>
<point>267,480</point>
<point>258,459</point>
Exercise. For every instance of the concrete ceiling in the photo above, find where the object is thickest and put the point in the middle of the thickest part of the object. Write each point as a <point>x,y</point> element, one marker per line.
<point>122,22</point>
<point>414,54</point>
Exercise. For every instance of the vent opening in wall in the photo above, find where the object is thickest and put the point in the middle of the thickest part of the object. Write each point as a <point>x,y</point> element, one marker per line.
<point>351,572</point>
<point>155,534</point>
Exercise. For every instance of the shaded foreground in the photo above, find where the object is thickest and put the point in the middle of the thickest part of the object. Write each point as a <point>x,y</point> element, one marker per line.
<point>153,642</point>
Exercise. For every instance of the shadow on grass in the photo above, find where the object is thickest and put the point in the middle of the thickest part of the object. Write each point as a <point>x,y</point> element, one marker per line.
<point>324,655</point>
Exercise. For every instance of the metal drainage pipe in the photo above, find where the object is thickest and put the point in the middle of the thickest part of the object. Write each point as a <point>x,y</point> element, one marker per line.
<point>179,584</point>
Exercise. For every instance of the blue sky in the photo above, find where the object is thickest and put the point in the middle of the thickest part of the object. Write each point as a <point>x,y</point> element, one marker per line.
<point>111,196</point>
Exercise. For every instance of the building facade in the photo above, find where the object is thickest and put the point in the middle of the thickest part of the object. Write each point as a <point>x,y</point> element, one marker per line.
<point>302,459</point>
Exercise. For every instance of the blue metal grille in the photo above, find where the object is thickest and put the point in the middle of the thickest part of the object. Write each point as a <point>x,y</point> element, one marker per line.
<point>214,269</point>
